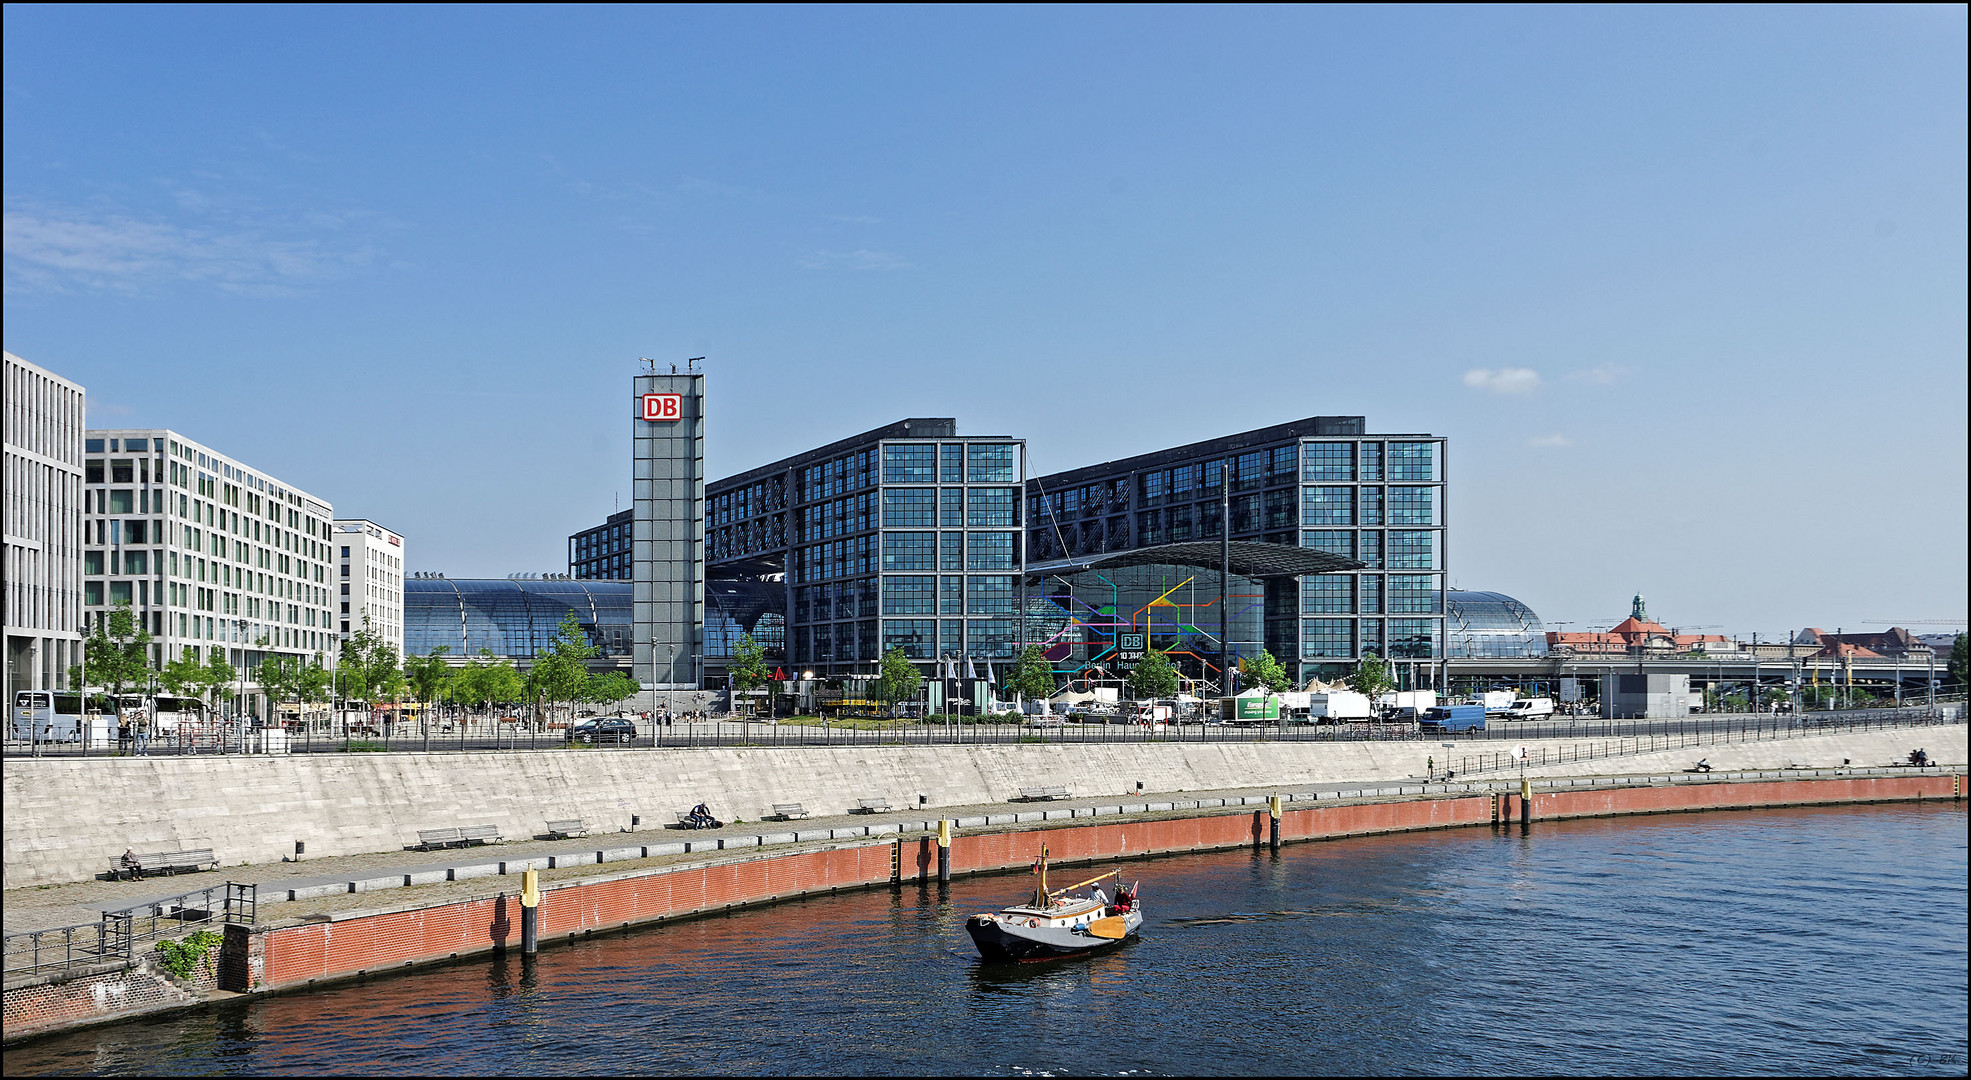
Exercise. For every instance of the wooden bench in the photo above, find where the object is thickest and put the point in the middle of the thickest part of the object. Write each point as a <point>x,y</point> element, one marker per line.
<point>561,830</point>
<point>788,811</point>
<point>164,862</point>
<point>458,836</point>
<point>1038,794</point>
<point>871,806</point>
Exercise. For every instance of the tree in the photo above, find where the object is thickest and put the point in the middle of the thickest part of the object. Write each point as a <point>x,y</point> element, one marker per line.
<point>368,669</point>
<point>560,671</point>
<point>1371,677</point>
<point>1152,677</point>
<point>118,653</point>
<point>748,669</point>
<point>214,675</point>
<point>1263,670</point>
<point>429,675</point>
<point>280,678</point>
<point>1959,667</point>
<point>608,688</point>
<point>314,682</point>
<point>898,679</point>
<point>1032,675</point>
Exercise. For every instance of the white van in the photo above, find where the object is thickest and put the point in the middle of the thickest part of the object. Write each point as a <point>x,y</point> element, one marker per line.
<point>1529,708</point>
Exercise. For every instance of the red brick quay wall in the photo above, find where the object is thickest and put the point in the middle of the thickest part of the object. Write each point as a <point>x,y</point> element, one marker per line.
<point>294,954</point>
<point>287,956</point>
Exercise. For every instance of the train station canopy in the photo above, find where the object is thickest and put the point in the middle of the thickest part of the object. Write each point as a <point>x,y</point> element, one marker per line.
<point>1248,560</point>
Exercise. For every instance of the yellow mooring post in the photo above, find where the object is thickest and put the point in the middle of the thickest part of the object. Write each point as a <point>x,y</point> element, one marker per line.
<point>944,850</point>
<point>1525,801</point>
<point>530,904</point>
<point>1273,811</point>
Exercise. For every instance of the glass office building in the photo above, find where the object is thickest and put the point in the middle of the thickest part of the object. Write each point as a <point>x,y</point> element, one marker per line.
<point>603,553</point>
<point>1323,483</point>
<point>906,536</point>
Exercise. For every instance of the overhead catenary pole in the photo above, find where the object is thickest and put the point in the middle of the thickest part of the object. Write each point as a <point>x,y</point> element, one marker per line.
<point>1224,577</point>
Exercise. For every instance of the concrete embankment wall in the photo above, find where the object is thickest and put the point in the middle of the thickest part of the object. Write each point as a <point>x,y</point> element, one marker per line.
<point>295,953</point>
<point>67,818</point>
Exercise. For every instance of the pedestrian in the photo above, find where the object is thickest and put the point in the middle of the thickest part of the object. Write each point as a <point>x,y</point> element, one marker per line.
<point>143,738</point>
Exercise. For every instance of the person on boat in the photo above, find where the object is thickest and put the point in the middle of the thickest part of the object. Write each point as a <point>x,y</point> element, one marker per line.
<point>1123,900</point>
<point>1096,894</point>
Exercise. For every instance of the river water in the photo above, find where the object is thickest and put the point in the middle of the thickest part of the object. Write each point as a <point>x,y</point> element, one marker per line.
<point>1789,941</point>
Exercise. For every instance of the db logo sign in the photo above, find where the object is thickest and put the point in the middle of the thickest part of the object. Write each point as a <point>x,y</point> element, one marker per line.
<point>662,408</point>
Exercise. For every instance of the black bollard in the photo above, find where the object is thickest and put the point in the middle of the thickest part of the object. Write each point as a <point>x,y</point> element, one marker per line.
<point>1525,803</point>
<point>1273,804</point>
<point>944,851</point>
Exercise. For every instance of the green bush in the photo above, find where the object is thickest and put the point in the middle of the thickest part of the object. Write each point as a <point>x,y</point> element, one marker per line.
<point>181,958</point>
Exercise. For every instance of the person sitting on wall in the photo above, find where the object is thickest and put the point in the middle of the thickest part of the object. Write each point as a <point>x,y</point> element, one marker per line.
<point>701,818</point>
<point>1701,766</point>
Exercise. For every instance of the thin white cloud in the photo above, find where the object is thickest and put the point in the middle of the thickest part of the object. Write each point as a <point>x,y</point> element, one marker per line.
<point>1549,441</point>
<point>1508,380</point>
<point>1599,375</point>
<point>59,249</point>
<point>859,259</point>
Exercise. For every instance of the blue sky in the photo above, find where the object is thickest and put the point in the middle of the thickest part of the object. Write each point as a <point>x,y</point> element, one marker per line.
<point>1685,287</point>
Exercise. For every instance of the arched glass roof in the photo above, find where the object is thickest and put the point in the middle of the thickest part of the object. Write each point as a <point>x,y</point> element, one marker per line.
<point>512,617</point>
<point>1490,624</point>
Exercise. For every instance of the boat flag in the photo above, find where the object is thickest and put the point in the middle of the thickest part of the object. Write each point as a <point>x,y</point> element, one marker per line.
<point>780,674</point>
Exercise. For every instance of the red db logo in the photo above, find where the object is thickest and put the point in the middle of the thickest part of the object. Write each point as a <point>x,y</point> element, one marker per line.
<point>662,408</point>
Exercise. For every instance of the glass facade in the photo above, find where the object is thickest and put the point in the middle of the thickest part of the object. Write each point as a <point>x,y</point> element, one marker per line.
<point>1489,625</point>
<point>603,553</point>
<point>514,618</point>
<point>892,538</point>
<point>1323,483</point>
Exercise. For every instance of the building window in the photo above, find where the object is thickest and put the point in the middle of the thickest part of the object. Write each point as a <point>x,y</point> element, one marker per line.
<point>1333,541</point>
<point>1149,527</point>
<point>1151,488</point>
<point>1412,461</point>
<point>951,464</point>
<point>992,506</point>
<point>1413,506</point>
<point>92,593</point>
<point>1327,506</point>
<point>1412,549</point>
<point>910,550</point>
<point>951,551</point>
<point>951,508</point>
<point>1327,594</point>
<point>1282,462</point>
<point>1248,470</point>
<point>1327,637</point>
<point>989,464</point>
<point>991,594</point>
<point>910,507</point>
<point>1279,510</point>
<point>1413,594</point>
<point>913,636</point>
<point>951,595</point>
<point>92,563</point>
<point>1368,594</point>
<point>910,594</point>
<point>1328,461</point>
<point>910,463</point>
<point>1372,506</point>
<point>991,551</point>
<point>120,593</point>
<point>1413,638</point>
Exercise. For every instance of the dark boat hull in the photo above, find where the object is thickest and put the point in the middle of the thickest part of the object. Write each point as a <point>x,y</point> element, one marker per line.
<point>998,943</point>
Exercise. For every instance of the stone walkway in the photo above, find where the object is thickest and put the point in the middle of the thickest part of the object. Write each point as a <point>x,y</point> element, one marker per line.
<point>414,878</point>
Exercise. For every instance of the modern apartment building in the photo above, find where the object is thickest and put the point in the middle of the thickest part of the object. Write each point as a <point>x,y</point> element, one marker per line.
<point>43,526</point>
<point>209,553</point>
<point>1324,483</point>
<point>370,571</point>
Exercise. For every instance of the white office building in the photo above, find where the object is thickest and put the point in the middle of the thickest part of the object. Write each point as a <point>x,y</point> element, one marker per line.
<point>208,552</point>
<point>43,527</point>
<point>370,563</point>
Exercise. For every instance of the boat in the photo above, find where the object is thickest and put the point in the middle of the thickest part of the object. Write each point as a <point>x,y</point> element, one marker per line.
<point>1053,925</point>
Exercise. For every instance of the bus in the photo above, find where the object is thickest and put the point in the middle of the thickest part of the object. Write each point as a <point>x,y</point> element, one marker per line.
<point>46,716</point>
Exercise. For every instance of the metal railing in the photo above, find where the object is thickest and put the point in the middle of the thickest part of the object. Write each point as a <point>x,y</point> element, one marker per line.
<point>871,732</point>
<point>115,936</point>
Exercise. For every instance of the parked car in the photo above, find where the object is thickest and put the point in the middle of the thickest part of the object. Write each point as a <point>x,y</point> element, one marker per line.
<point>614,729</point>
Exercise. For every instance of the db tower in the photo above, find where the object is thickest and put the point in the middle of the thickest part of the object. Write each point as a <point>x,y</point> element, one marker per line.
<point>668,548</point>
